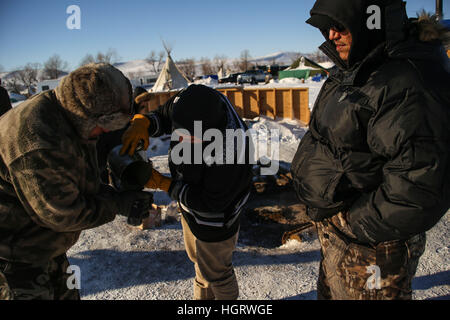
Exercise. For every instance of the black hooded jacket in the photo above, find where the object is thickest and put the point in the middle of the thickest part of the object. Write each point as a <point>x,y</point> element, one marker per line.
<point>211,196</point>
<point>378,144</point>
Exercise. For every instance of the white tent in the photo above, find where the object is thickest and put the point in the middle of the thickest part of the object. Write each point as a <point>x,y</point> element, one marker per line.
<point>170,77</point>
<point>221,73</point>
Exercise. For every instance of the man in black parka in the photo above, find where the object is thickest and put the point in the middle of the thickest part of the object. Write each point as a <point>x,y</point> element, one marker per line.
<point>374,167</point>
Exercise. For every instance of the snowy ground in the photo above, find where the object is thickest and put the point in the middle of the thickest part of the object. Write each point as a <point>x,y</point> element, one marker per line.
<point>121,262</point>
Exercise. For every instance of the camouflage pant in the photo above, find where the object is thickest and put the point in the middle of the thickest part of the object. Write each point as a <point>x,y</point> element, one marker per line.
<point>350,271</point>
<point>22,281</point>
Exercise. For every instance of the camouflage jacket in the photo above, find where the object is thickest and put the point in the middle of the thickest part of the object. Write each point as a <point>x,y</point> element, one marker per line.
<point>49,182</point>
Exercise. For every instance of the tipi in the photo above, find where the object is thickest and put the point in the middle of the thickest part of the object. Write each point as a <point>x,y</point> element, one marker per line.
<point>170,77</point>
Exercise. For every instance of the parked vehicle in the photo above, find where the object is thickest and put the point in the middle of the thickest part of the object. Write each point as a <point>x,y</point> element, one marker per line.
<point>254,76</point>
<point>230,78</point>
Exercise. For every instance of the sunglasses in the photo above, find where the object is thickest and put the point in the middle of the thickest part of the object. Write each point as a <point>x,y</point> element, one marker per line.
<point>337,27</point>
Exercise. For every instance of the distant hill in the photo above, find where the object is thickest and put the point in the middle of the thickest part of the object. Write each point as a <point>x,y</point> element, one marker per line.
<point>5,76</point>
<point>136,68</point>
<point>280,58</point>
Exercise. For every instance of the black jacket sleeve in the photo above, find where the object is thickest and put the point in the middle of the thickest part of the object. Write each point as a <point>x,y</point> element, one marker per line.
<point>5,103</point>
<point>161,119</point>
<point>410,131</point>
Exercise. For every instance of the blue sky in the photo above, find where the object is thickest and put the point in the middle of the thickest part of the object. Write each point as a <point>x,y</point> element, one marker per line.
<point>32,31</point>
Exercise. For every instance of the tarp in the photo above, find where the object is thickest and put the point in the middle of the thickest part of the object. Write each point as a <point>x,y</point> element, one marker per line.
<point>303,68</point>
<point>299,74</point>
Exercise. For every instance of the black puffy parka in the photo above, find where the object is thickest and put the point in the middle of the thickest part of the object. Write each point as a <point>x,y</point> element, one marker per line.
<point>378,145</point>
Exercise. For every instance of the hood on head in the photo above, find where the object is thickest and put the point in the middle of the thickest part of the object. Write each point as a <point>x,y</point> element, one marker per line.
<point>199,103</point>
<point>352,14</point>
<point>94,95</point>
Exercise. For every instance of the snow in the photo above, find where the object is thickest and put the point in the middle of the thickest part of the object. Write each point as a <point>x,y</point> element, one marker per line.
<point>121,262</point>
<point>327,64</point>
<point>313,86</point>
<point>290,134</point>
<point>290,81</point>
<point>207,82</point>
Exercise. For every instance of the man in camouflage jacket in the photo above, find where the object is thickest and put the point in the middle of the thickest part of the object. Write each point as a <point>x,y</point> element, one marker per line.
<point>49,179</point>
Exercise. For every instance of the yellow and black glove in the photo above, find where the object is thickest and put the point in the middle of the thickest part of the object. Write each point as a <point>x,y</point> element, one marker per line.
<point>137,131</point>
<point>158,181</point>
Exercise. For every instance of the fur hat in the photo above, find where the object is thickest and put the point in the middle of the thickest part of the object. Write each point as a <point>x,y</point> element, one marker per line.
<point>96,95</point>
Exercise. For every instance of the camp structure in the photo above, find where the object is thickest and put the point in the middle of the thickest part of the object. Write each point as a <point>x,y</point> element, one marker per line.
<point>303,68</point>
<point>222,73</point>
<point>170,77</point>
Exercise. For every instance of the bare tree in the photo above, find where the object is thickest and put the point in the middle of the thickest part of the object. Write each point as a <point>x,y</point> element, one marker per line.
<point>207,67</point>
<point>156,60</point>
<point>318,56</point>
<point>109,56</point>
<point>13,83</point>
<point>54,67</point>
<point>187,66</point>
<point>89,58</point>
<point>151,59</point>
<point>243,63</point>
<point>29,75</point>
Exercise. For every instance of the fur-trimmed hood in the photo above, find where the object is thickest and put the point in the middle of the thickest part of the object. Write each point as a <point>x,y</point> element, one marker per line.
<point>425,39</point>
<point>96,95</point>
<point>428,29</point>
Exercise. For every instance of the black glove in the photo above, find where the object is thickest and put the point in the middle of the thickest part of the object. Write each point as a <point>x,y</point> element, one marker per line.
<point>134,205</point>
